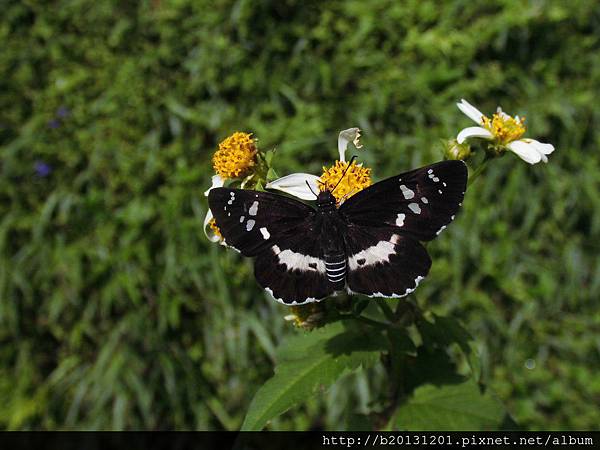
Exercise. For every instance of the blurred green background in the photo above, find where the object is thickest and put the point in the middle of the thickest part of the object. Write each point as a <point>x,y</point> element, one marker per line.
<point>116,312</point>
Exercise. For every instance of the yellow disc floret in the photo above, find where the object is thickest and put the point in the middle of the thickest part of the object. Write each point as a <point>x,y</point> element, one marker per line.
<point>505,128</point>
<point>236,155</point>
<point>356,179</point>
<point>212,223</point>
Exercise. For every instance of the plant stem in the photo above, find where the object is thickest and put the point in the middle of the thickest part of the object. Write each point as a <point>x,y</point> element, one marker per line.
<point>478,171</point>
<point>385,308</point>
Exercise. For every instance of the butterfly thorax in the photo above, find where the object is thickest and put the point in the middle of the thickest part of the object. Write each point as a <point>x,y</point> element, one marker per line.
<point>326,201</point>
<point>332,229</point>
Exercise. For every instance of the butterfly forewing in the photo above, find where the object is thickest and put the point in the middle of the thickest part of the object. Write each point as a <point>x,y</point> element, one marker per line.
<point>421,203</point>
<point>252,221</point>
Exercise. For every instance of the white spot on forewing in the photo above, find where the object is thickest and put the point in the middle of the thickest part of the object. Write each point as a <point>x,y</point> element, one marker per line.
<point>424,200</point>
<point>298,261</point>
<point>440,191</point>
<point>373,255</point>
<point>253,209</point>
<point>395,238</point>
<point>440,230</point>
<point>250,225</point>
<point>400,220</point>
<point>265,233</point>
<point>408,193</point>
<point>242,219</point>
<point>432,176</point>
<point>414,207</point>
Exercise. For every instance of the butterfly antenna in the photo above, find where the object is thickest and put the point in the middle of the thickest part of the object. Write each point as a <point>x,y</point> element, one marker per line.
<point>313,192</point>
<point>345,171</point>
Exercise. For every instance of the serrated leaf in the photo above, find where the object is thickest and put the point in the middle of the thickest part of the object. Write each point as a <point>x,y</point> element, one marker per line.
<point>325,356</point>
<point>300,344</point>
<point>451,407</point>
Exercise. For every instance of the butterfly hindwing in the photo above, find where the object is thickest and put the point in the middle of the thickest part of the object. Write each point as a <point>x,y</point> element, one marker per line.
<point>384,263</point>
<point>280,233</point>
<point>421,203</point>
<point>294,272</point>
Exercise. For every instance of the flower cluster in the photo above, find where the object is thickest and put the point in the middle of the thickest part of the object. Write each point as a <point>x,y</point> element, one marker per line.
<point>236,156</point>
<point>304,185</point>
<point>503,132</point>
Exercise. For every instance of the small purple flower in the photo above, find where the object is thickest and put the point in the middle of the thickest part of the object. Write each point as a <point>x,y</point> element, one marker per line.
<point>42,169</point>
<point>54,123</point>
<point>63,112</point>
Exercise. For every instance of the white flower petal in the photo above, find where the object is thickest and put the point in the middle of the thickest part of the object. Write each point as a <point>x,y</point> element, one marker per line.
<point>212,237</point>
<point>503,114</point>
<point>470,111</point>
<point>345,137</point>
<point>544,149</point>
<point>217,181</point>
<point>295,184</point>
<point>470,132</point>
<point>525,151</point>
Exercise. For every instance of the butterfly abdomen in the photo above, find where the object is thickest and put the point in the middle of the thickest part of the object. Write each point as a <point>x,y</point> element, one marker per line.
<point>335,266</point>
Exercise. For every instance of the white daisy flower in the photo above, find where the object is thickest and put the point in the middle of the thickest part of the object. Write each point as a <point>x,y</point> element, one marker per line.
<point>505,131</point>
<point>210,228</point>
<point>305,185</point>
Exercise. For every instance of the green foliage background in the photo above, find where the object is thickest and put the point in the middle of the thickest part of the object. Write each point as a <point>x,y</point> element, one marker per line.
<point>116,313</point>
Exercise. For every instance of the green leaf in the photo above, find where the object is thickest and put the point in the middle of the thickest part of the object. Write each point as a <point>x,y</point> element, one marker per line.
<point>450,407</point>
<point>269,156</point>
<point>446,331</point>
<point>271,174</point>
<point>309,363</point>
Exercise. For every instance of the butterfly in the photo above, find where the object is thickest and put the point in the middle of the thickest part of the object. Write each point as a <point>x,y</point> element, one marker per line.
<point>367,245</point>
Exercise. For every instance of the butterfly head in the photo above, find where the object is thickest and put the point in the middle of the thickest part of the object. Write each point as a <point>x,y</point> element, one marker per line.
<point>325,199</point>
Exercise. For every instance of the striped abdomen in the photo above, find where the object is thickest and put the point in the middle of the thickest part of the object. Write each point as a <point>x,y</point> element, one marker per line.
<point>335,265</point>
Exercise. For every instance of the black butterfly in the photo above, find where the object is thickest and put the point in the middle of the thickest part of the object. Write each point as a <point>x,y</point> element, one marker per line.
<point>369,245</point>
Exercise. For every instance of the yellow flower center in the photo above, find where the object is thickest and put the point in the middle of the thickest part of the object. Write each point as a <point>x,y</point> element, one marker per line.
<point>212,223</point>
<point>356,179</point>
<point>235,156</point>
<point>504,127</point>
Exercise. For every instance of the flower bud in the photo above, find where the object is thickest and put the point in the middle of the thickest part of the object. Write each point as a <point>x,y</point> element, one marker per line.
<point>456,151</point>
